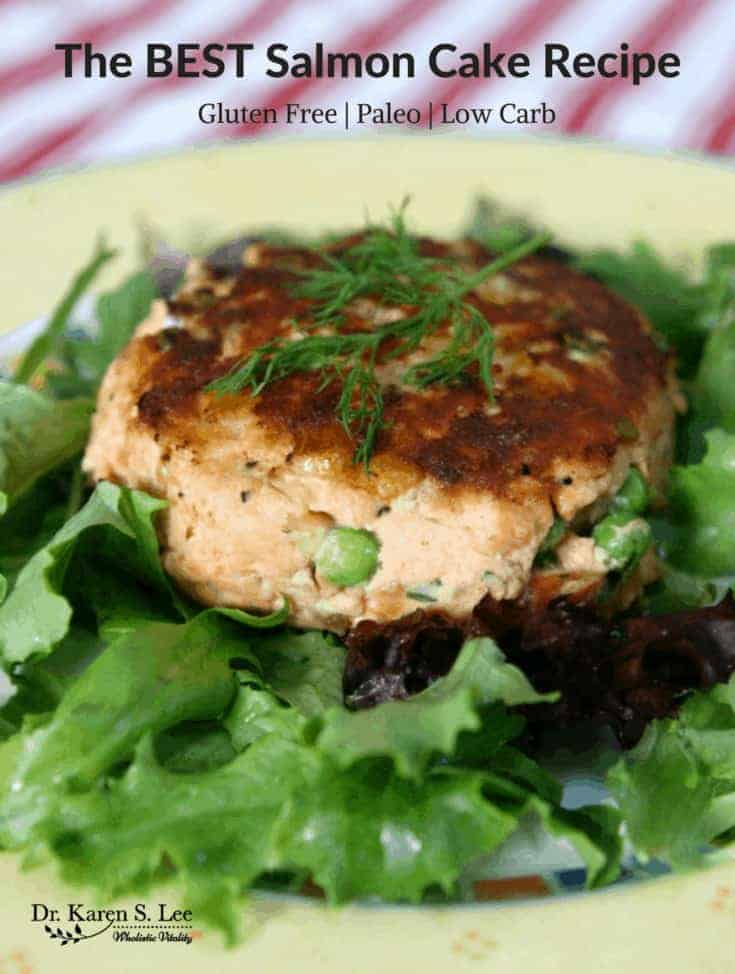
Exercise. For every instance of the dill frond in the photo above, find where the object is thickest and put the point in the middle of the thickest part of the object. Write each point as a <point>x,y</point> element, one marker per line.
<point>384,264</point>
<point>360,409</point>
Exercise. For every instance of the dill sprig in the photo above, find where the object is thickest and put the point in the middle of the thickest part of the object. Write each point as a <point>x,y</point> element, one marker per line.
<point>385,265</point>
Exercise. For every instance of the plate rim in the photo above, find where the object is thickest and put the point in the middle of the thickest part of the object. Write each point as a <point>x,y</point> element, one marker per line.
<point>287,140</point>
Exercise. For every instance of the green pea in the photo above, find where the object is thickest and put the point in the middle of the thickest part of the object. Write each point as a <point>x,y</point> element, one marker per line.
<point>633,496</point>
<point>347,556</point>
<point>624,539</point>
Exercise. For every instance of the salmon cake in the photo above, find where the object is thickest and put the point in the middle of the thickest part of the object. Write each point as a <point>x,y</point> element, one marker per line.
<point>497,439</point>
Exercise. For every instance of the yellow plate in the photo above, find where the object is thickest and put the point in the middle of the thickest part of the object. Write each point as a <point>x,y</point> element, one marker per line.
<point>589,195</point>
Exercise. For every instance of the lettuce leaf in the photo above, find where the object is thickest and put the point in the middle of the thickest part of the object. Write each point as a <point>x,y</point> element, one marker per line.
<point>697,531</point>
<point>83,355</point>
<point>118,313</point>
<point>36,615</point>
<point>34,693</point>
<point>281,805</point>
<point>593,830</point>
<point>278,805</point>
<point>518,783</point>
<point>119,602</point>
<point>31,523</point>
<point>676,789</point>
<point>36,436</point>
<point>701,518</point>
<point>135,770</point>
<point>146,681</point>
<point>194,746</point>
<point>256,713</point>
<point>714,390</point>
<point>304,669</point>
<point>367,831</point>
<point>219,829</point>
<point>411,731</point>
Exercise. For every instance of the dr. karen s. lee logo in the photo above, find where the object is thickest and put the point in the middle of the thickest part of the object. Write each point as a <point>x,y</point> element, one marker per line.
<point>75,923</point>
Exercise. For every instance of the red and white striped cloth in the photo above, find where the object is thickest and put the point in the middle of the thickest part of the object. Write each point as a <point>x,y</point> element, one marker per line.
<point>48,121</point>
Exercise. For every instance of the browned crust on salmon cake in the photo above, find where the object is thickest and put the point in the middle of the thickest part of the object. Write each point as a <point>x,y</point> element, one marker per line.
<point>446,432</point>
<point>582,392</point>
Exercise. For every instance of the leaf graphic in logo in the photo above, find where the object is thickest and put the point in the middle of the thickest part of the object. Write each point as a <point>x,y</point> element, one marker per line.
<point>75,936</point>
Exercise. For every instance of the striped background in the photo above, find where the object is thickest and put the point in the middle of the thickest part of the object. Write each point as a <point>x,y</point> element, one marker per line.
<point>47,121</point>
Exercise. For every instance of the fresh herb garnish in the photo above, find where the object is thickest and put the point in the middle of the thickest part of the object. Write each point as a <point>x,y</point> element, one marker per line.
<point>386,265</point>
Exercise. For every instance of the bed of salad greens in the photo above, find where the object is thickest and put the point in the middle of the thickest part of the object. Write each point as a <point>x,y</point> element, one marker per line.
<point>147,738</point>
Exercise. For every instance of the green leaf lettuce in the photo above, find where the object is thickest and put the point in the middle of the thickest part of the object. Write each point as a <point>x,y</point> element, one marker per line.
<point>36,614</point>
<point>676,789</point>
